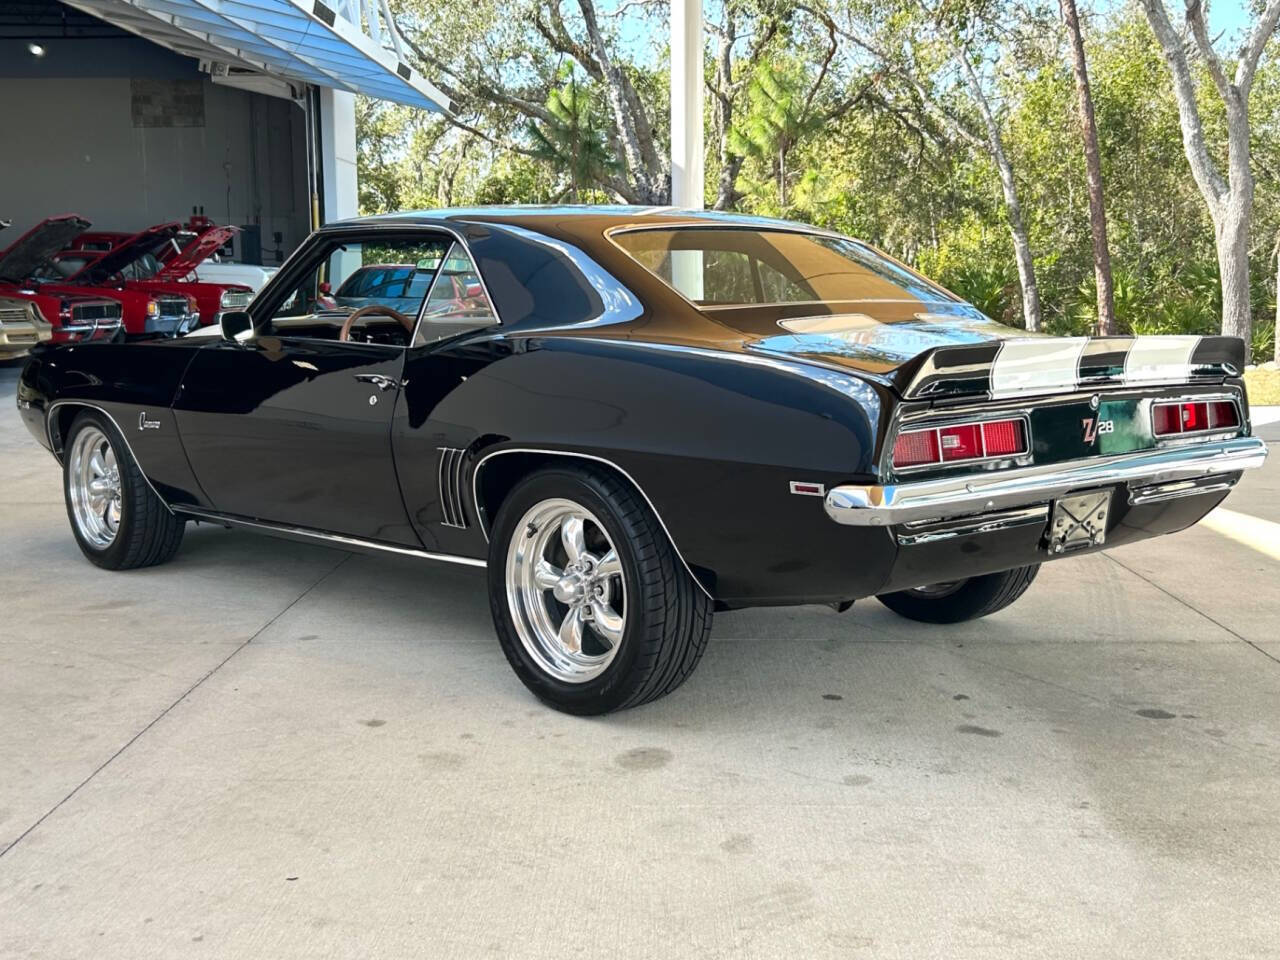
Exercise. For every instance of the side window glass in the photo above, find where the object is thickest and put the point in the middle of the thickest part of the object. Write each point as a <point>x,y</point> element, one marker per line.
<point>457,301</point>
<point>384,281</point>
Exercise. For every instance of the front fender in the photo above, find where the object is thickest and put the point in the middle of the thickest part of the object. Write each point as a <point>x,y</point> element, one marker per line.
<point>134,384</point>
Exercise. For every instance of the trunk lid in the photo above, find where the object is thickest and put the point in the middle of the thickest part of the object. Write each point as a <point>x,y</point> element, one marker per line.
<point>948,349</point>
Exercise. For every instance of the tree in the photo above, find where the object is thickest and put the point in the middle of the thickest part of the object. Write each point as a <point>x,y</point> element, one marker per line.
<point>1230,200</point>
<point>573,140</point>
<point>985,134</point>
<point>1093,165</point>
<point>498,63</point>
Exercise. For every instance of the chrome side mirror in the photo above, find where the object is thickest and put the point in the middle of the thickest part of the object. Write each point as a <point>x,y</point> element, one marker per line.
<point>236,325</point>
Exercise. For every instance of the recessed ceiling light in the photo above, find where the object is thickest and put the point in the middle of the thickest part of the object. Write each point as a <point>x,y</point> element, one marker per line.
<point>35,49</point>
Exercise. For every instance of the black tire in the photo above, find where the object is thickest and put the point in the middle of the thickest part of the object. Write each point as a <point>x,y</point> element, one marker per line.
<point>147,532</point>
<point>967,600</point>
<point>667,620</point>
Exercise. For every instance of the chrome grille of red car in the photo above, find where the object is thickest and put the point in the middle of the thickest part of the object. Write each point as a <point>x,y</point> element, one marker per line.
<point>173,306</point>
<point>101,310</point>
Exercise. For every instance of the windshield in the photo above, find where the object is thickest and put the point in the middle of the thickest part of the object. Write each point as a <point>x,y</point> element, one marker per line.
<point>736,266</point>
<point>390,281</point>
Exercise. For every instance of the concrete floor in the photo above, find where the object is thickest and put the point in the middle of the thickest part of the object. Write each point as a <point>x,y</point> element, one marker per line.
<point>269,750</point>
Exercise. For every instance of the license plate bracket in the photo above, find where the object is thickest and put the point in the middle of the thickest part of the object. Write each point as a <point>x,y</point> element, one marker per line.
<point>1079,521</point>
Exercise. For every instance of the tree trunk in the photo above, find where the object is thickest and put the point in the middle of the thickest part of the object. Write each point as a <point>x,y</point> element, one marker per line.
<point>1230,202</point>
<point>1021,244</point>
<point>782,177</point>
<point>1013,207</point>
<point>1232,235</point>
<point>1093,167</point>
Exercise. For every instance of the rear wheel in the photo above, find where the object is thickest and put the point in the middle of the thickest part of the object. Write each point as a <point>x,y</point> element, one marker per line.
<point>593,608</point>
<point>118,521</point>
<point>958,600</point>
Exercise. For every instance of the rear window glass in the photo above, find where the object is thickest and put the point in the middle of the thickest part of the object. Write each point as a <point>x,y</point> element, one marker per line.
<point>722,267</point>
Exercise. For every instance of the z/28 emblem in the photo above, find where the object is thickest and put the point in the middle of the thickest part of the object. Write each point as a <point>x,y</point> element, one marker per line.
<point>1094,428</point>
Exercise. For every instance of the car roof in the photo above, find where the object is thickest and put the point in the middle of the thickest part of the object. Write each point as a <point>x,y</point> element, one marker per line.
<point>605,215</point>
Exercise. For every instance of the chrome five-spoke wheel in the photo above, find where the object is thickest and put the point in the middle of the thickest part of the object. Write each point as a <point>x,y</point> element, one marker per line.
<point>566,590</point>
<point>93,480</point>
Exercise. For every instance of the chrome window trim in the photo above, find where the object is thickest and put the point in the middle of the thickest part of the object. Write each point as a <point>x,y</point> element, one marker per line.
<point>48,432</point>
<point>354,229</point>
<point>335,538</point>
<point>781,227</point>
<point>426,297</point>
<point>484,529</point>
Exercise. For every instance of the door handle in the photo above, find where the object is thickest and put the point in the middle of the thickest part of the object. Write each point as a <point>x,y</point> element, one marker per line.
<point>379,381</point>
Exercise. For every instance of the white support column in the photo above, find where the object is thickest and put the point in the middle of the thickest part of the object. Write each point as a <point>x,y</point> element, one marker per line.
<point>686,104</point>
<point>340,196</point>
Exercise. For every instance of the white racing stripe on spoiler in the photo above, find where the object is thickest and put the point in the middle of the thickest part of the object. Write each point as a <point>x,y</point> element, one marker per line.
<point>1036,366</point>
<point>1153,359</point>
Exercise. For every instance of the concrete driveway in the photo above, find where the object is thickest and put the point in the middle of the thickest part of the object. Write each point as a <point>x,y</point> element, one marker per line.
<point>269,750</point>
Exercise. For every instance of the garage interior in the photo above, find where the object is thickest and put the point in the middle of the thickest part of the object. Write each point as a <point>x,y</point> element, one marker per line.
<point>132,113</point>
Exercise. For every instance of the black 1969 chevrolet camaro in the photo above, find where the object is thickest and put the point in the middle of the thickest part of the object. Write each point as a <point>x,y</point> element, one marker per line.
<point>632,418</point>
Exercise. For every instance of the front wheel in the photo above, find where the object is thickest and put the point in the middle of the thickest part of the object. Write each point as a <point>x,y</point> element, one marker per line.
<point>593,608</point>
<point>117,519</point>
<point>960,600</point>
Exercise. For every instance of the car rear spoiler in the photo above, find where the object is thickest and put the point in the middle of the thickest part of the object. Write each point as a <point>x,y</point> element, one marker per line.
<point>1028,366</point>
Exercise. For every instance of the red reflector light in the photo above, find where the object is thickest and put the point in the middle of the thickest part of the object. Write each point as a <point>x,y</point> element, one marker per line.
<point>1223,414</point>
<point>1166,419</point>
<point>1171,419</point>
<point>1003,438</point>
<point>916,448</point>
<point>961,443</point>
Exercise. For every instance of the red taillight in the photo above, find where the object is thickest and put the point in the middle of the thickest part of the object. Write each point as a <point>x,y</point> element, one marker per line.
<point>1003,438</point>
<point>1171,419</point>
<point>916,448</point>
<point>1223,414</point>
<point>960,442</point>
<point>1166,419</point>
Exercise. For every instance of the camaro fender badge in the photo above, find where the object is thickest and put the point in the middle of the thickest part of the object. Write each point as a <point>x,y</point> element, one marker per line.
<point>1094,428</point>
<point>803,488</point>
<point>145,424</point>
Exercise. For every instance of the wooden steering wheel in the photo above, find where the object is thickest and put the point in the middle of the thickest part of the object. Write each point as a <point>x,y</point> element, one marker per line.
<point>374,309</point>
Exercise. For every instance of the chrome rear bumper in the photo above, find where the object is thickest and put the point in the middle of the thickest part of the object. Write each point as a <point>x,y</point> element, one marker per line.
<point>967,494</point>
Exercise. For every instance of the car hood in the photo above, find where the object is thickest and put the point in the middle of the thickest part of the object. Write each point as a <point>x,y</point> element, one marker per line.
<point>152,240</point>
<point>195,253</point>
<point>38,244</point>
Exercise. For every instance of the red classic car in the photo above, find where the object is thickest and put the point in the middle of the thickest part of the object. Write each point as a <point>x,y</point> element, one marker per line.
<point>29,311</point>
<point>145,313</point>
<point>151,261</point>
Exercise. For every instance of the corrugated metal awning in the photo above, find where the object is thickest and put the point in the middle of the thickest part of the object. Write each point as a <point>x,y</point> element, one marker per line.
<point>304,41</point>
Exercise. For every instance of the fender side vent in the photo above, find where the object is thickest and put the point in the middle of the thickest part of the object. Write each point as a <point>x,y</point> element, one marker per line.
<point>450,486</point>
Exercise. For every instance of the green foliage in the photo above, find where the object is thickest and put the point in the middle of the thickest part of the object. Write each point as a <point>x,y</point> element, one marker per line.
<point>884,168</point>
<point>574,141</point>
<point>992,287</point>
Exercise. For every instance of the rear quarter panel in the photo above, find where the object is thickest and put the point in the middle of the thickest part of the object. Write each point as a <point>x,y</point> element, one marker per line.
<point>712,439</point>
